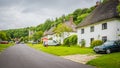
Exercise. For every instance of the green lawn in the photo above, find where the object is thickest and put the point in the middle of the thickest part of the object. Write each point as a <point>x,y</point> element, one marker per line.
<point>62,50</point>
<point>107,61</point>
<point>4,46</point>
<point>104,61</point>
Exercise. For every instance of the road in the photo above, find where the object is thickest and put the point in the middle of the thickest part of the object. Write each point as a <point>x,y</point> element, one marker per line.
<point>22,56</point>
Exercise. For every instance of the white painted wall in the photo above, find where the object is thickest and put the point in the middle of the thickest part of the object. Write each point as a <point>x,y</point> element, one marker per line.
<point>111,32</point>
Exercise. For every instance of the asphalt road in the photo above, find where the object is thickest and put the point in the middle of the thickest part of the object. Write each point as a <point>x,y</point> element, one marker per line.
<point>22,56</point>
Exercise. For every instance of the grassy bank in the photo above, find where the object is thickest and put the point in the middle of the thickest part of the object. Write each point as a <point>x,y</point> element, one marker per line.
<point>4,46</point>
<point>107,61</point>
<point>62,50</point>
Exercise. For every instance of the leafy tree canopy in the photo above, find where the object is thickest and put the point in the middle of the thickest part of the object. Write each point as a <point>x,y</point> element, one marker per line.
<point>62,28</point>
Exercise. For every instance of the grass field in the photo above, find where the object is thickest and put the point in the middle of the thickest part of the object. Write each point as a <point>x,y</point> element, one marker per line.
<point>107,61</point>
<point>4,46</point>
<point>62,50</point>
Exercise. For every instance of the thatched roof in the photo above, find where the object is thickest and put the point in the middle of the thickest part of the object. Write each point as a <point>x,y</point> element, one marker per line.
<point>102,12</point>
<point>67,23</point>
<point>71,24</point>
<point>49,32</point>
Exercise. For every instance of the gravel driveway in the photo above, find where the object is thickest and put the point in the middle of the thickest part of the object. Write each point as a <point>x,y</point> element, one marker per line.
<point>81,58</point>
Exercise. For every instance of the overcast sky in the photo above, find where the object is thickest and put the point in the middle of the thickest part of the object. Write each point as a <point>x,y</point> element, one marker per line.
<point>24,13</point>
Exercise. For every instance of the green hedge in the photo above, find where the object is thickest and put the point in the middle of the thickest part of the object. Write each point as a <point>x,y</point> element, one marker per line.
<point>96,43</point>
<point>72,40</point>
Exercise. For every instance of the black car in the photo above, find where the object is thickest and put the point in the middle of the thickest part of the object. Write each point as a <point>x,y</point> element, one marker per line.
<point>108,47</point>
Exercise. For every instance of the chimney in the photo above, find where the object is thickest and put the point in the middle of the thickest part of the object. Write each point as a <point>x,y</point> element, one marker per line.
<point>97,3</point>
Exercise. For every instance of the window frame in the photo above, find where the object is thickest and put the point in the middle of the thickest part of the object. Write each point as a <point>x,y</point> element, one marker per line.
<point>104,38</point>
<point>82,31</point>
<point>104,26</point>
<point>92,28</point>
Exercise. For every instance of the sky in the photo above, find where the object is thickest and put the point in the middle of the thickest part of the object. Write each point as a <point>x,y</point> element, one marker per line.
<point>25,13</point>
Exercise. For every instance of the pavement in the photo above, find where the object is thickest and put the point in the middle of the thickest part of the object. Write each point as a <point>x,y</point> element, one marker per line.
<point>22,56</point>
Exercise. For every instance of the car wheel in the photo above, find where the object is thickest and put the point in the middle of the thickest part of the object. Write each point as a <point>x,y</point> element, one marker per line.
<point>108,51</point>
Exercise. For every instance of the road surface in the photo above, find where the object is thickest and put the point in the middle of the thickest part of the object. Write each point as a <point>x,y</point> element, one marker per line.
<point>22,56</point>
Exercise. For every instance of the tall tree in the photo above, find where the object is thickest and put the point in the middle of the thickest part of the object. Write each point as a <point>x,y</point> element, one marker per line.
<point>62,28</point>
<point>37,35</point>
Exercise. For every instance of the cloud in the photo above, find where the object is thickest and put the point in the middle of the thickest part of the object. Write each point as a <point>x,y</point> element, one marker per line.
<point>24,13</point>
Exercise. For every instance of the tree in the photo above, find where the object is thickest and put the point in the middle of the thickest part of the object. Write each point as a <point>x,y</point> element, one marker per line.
<point>3,35</point>
<point>62,28</point>
<point>81,17</point>
<point>37,35</point>
<point>47,25</point>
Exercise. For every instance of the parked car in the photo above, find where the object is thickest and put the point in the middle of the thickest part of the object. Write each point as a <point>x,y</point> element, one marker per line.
<point>108,47</point>
<point>51,42</point>
<point>4,42</point>
<point>34,42</point>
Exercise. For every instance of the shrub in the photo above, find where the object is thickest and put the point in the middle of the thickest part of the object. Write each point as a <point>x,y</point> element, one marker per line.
<point>72,40</point>
<point>96,43</point>
<point>119,35</point>
<point>83,43</point>
<point>66,41</point>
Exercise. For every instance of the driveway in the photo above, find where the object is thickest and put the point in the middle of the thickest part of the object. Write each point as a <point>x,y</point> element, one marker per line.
<point>22,56</point>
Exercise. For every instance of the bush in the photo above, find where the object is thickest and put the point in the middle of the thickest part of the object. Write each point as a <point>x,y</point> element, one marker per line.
<point>72,40</point>
<point>83,43</point>
<point>96,43</point>
<point>66,42</point>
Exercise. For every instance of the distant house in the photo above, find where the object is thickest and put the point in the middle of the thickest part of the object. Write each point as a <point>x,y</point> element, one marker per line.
<point>51,35</point>
<point>71,24</point>
<point>102,24</point>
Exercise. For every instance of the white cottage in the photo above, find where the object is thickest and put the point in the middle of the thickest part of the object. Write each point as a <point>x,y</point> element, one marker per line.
<point>51,34</point>
<point>70,24</point>
<point>102,24</point>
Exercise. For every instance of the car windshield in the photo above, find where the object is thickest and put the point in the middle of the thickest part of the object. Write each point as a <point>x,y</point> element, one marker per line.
<point>108,43</point>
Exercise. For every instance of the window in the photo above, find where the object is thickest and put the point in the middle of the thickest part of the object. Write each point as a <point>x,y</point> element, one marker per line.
<point>82,31</point>
<point>92,29</point>
<point>104,26</point>
<point>91,39</point>
<point>117,29</point>
<point>104,38</point>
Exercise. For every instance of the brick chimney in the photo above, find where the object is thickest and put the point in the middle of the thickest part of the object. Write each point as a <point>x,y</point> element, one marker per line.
<point>97,3</point>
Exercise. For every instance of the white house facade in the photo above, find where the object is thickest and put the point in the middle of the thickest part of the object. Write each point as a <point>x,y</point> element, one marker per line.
<point>103,23</point>
<point>104,30</point>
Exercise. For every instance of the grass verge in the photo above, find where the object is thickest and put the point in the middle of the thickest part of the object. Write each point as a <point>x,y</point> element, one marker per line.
<point>107,61</point>
<point>62,50</point>
<point>104,61</point>
<point>4,46</point>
